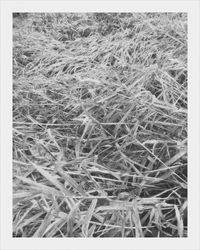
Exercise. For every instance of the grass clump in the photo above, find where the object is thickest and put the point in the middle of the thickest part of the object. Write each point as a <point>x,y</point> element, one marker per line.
<point>100,125</point>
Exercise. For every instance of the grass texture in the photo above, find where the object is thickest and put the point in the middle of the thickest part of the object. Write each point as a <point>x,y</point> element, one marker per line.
<point>99,125</point>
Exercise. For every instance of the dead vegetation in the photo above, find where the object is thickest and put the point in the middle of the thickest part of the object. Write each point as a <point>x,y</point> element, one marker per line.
<point>100,125</point>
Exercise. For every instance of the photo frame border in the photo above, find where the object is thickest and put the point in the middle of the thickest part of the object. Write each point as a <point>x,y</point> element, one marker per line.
<point>7,242</point>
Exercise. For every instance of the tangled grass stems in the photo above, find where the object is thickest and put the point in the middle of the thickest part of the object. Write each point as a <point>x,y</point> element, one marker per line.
<point>100,125</point>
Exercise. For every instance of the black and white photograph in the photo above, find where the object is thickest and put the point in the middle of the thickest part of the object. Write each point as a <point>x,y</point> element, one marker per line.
<point>102,126</point>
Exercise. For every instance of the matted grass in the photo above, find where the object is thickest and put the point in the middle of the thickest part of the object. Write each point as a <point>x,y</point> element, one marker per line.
<point>100,125</point>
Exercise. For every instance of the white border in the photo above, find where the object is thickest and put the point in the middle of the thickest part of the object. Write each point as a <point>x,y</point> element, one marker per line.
<point>6,240</point>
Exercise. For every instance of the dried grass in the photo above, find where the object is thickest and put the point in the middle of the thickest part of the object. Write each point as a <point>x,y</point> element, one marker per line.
<point>100,125</point>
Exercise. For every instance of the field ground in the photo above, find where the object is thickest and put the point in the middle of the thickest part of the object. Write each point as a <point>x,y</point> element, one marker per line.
<point>100,125</point>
